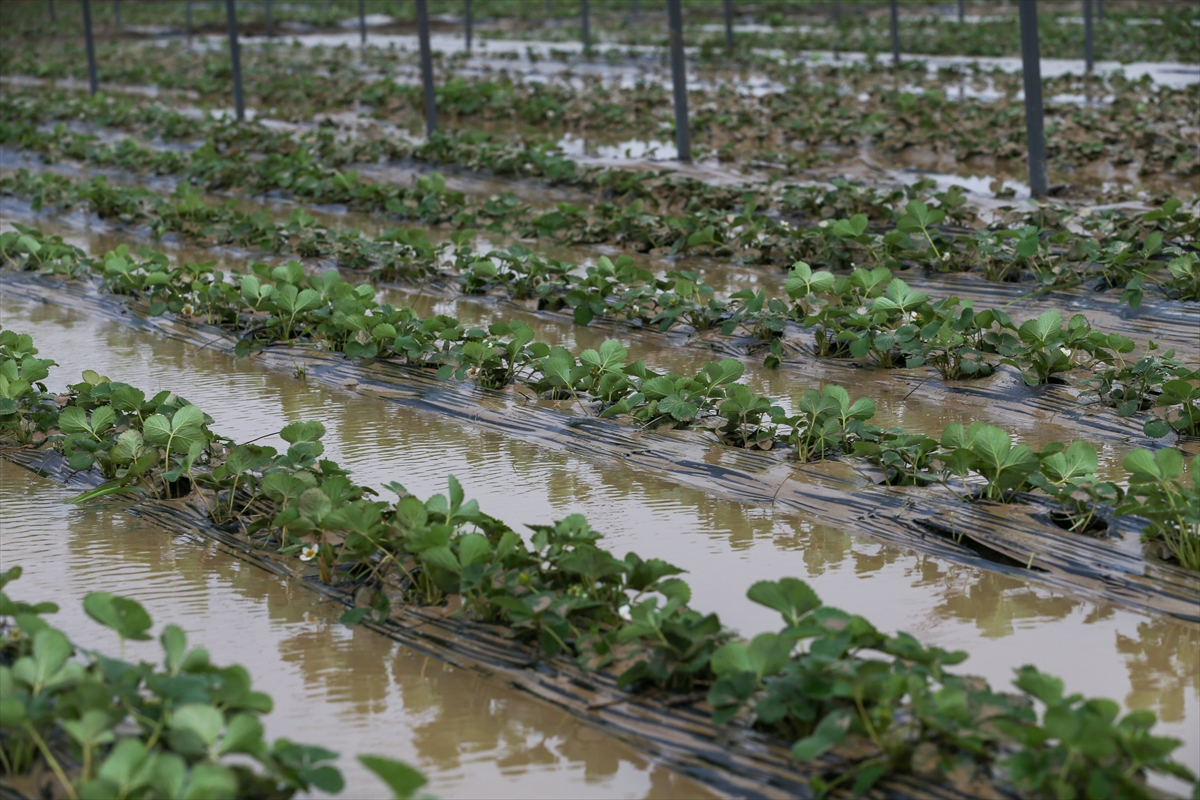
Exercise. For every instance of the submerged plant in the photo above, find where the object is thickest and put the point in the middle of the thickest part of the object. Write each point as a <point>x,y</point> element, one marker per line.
<point>1169,502</point>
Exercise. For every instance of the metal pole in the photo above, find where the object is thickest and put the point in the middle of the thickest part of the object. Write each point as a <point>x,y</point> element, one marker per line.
<point>53,16</point>
<point>117,12</point>
<point>633,9</point>
<point>1088,51</point>
<point>362,22</point>
<point>270,25</point>
<point>962,11</point>
<point>837,12</point>
<point>235,59</point>
<point>1100,10</point>
<point>895,32</point>
<point>426,68</point>
<point>467,14</point>
<point>683,139</point>
<point>1034,124</point>
<point>187,15</point>
<point>93,83</point>
<point>587,33</point>
<point>729,25</point>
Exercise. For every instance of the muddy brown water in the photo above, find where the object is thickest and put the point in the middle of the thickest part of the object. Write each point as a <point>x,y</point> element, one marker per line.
<point>351,690</point>
<point>1002,621</point>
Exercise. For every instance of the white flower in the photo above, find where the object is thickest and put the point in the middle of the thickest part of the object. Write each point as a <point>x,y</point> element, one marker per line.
<point>187,310</point>
<point>309,552</point>
<point>823,223</point>
<point>861,310</point>
<point>623,613</point>
<point>1066,352</point>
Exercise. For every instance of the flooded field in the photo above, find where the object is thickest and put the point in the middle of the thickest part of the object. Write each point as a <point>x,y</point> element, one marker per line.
<point>498,454</point>
<point>1003,622</point>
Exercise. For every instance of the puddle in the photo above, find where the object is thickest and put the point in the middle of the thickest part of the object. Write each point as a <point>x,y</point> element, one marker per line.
<point>1002,621</point>
<point>353,691</point>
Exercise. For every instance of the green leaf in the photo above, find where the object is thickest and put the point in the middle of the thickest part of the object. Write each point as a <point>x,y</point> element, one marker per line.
<point>791,597</point>
<point>125,616</point>
<point>243,735</point>
<point>829,733</point>
<point>209,781</point>
<point>402,779</point>
<point>202,720</point>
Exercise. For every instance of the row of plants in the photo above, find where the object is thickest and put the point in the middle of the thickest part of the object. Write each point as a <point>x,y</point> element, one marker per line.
<point>501,156</point>
<point>870,314</point>
<point>104,727</point>
<point>818,106</point>
<point>283,305</point>
<point>1151,249</point>
<point>786,131</point>
<point>829,681</point>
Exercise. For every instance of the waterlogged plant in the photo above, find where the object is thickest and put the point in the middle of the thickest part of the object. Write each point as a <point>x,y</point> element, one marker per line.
<point>1168,501</point>
<point>30,249</point>
<point>107,728</point>
<point>1069,476</point>
<point>1082,747</point>
<point>25,406</point>
<point>989,452</point>
<point>827,422</point>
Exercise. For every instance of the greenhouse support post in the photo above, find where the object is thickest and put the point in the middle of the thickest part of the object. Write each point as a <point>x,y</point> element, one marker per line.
<point>895,14</point>
<point>187,20</point>
<point>1088,44</point>
<point>53,16</point>
<point>962,11</point>
<point>467,21</point>
<point>235,59</point>
<point>93,84</point>
<point>426,68</point>
<point>633,10</point>
<point>270,26</point>
<point>117,12</point>
<point>683,139</point>
<point>1032,71</point>
<point>837,12</point>
<point>587,33</point>
<point>729,25</point>
<point>362,22</point>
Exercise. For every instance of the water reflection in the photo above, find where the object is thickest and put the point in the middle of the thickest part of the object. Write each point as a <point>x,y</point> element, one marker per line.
<point>353,690</point>
<point>725,545</point>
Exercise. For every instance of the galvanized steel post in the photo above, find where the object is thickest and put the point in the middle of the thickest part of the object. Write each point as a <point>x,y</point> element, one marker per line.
<point>1035,130</point>
<point>467,19</point>
<point>1088,50</point>
<point>93,83</point>
<point>187,17</point>
<point>270,26</point>
<point>729,25</point>
<point>235,58</point>
<point>895,32</point>
<point>362,22</point>
<point>53,16</point>
<point>587,33</point>
<point>426,68</point>
<point>962,11</point>
<point>683,139</point>
<point>117,12</point>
